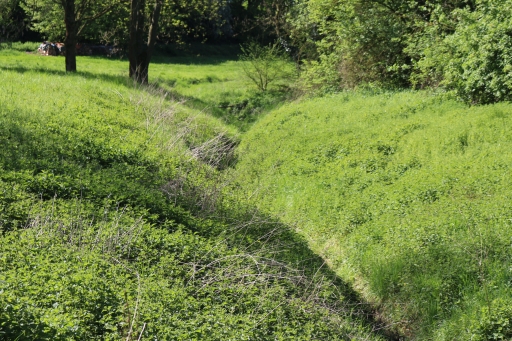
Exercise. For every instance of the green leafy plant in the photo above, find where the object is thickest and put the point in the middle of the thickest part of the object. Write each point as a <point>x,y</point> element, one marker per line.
<point>495,322</point>
<point>474,61</point>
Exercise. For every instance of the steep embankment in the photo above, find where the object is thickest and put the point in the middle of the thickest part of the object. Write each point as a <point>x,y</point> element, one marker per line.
<point>407,195</point>
<point>115,223</point>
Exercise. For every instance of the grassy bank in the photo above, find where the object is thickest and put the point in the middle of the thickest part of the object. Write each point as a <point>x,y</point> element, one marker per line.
<point>407,195</point>
<point>118,223</point>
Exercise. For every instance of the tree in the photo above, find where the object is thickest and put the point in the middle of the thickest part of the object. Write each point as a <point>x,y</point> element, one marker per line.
<point>47,18</point>
<point>76,16</point>
<point>143,37</point>
<point>9,27</point>
<point>265,64</point>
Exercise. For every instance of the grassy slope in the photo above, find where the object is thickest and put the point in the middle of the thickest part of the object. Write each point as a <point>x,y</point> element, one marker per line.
<point>407,195</point>
<point>112,229</point>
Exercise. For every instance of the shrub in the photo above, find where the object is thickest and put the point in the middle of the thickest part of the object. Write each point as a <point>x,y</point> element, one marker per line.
<point>265,64</point>
<point>358,42</point>
<point>475,60</point>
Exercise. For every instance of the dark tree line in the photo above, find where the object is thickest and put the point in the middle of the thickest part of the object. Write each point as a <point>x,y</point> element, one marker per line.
<point>336,43</point>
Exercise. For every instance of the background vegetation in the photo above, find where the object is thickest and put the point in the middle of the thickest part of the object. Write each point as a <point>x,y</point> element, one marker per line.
<point>460,45</point>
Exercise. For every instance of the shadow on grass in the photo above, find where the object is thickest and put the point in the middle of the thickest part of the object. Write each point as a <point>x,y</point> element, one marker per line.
<point>239,112</point>
<point>196,54</point>
<point>120,80</point>
<point>190,59</point>
<point>257,233</point>
<point>159,86</point>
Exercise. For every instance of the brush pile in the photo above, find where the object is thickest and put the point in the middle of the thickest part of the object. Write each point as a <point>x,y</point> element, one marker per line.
<point>58,49</point>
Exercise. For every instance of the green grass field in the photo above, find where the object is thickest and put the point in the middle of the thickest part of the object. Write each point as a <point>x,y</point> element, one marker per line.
<point>198,208</point>
<point>118,224</point>
<point>408,197</point>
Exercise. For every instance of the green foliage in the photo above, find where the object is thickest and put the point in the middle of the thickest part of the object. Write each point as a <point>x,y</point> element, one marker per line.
<point>460,44</point>
<point>192,20</point>
<point>181,21</point>
<point>357,42</point>
<point>53,293</point>
<point>95,21</point>
<point>261,20</point>
<point>11,25</point>
<point>225,95</point>
<point>475,60</point>
<point>47,18</point>
<point>495,322</point>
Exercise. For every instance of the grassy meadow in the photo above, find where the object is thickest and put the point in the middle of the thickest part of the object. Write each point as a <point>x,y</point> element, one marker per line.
<point>120,218</point>
<point>198,208</point>
<point>406,195</point>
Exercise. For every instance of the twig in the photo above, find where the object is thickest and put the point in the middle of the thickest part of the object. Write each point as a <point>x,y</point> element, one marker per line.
<point>130,331</point>
<point>142,331</point>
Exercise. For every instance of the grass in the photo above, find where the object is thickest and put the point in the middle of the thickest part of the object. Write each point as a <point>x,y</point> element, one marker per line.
<point>405,194</point>
<point>115,224</point>
<point>190,74</point>
<point>227,94</point>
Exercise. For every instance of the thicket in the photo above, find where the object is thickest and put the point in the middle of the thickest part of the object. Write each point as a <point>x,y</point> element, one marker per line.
<point>475,60</point>
<point>462,46</point>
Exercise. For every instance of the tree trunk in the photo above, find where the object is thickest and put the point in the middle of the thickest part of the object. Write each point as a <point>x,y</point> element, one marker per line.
<point>136,46</point>
<point>140,52</point>
<point>141,67</point>
<point>71,34</point>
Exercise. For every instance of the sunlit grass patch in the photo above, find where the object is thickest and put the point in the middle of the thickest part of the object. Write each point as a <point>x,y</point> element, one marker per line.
<point>411,188</point>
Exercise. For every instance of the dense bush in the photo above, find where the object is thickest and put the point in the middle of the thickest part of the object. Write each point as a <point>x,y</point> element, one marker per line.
<point>461,45</point>
<point>358,42</point>
<point>475,60</point>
